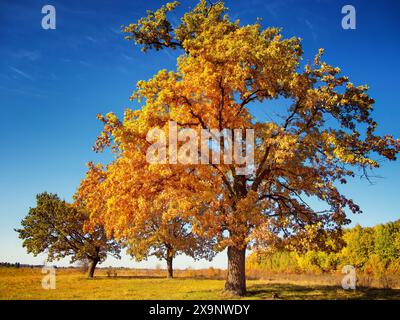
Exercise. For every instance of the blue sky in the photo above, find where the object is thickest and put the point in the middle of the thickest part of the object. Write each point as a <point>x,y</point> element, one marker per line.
<point>54,82</point>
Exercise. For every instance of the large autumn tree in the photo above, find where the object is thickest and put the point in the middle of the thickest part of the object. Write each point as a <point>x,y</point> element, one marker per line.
<point>135,209</point>
<point>321,134</point>
<point>58,228</point>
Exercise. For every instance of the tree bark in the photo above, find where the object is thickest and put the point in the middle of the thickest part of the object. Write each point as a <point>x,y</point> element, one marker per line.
<point>236,279</point>
<point>92,267</point>
<point>170,270</point>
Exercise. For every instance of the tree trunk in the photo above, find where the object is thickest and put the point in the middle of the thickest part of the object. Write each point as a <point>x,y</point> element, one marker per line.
<point>236,279</point>
<point>92,267</point>
<point>170,270</point>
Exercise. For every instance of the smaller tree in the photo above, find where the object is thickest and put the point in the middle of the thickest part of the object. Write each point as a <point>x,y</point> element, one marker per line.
<point>58,228</point>
<point>167,239</point>
<point>147,224</point>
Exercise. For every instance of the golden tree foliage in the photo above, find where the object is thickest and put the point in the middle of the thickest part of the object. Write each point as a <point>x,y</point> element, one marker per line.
<point>224,68</point>
<point>147,223</point>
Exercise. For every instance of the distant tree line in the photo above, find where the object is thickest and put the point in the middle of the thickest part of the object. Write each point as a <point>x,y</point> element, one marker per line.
<point>371,250</point>
<point>18,265</point>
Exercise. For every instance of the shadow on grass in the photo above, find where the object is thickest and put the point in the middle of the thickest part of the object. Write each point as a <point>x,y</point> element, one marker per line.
<point>318,292</point>
<point>153,277</point>
<point>129,277</point>
<point>283,291</point>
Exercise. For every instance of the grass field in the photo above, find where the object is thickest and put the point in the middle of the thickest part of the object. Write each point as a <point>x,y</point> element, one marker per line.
<point>132,284</point>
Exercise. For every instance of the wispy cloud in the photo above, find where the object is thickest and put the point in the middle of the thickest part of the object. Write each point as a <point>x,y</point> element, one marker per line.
<point>170,56</point>
<point>21,73</point>
<point>91,39</point>
<point>28,55</point>
<point>126,57</point>
<point>273,8</point>
<point>26,92</point>
<point>117,31</point>
<point>85,63</point>
<point>312,29</point>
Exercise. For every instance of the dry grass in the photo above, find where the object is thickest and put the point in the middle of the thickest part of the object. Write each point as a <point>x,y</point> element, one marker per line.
<point>188,284</point>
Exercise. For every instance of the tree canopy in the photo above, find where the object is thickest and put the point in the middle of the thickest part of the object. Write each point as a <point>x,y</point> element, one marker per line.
<point>58,229</point>
<point>319,138</point>
<point>147,223</point>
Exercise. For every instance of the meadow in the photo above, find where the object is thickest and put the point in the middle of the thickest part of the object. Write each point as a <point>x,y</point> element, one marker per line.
<point>71,283</point>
